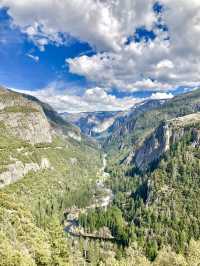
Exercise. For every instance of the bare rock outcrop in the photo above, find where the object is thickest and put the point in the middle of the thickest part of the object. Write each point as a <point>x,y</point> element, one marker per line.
<point>32,127</point>
<point>163,137</point>
<point>18,170</point>
<point>24,119</point>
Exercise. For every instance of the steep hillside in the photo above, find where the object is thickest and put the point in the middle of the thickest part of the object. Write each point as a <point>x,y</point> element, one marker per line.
<point>166,135</point>
<point>123,126</point>
<point>170,194</point>
<point>131,132</point>
<point>23,119</point>
<point>45,167</point>
<point>108,126</point>
<point>158,206</point>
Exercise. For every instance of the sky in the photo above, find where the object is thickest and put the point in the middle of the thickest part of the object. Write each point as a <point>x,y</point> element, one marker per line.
<point>97,55</point>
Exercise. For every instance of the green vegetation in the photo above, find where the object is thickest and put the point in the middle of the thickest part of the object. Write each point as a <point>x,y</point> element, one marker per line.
<point>20,109</point>
<point>112,218</point>
<point>162,205</point>
<point>154,218</point>
<point>31,210</point>
<point>140,123</point>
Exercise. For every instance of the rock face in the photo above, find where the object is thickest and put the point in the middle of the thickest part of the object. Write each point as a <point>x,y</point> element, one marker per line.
<point>92,123</point>
<point>163,137</point>
<point>27,128</point>
<point>23,118</point>
<point>124,125</point>
<point>18,170</point>
<point>32,127</point>
<point>9,99</point>
<point>153,147</point>
<point>196,138</point>
<point>75,136</point>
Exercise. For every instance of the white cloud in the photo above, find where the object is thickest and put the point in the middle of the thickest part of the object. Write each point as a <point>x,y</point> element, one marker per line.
<point>93,99</point>
<point>104,24</point>
<point>165,64</point>
<point>33,57</point>
<point>153,65</point>
<point>168,62</point>
<point>161,95</point>
<point>160,65</point>
<point>128,70</point>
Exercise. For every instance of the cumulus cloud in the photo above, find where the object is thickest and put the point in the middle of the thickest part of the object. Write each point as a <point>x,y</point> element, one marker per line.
<point>168,61</point>
<point>129,70</point>
<point>154,65</point>
<point>93,99</point>
<point>103,24</point>
<point>165,64</point>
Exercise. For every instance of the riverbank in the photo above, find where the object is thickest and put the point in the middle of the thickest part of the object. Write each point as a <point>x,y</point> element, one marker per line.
<point>102,198</point>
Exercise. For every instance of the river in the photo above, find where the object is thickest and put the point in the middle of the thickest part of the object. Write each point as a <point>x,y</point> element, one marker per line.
<point>103,198</point>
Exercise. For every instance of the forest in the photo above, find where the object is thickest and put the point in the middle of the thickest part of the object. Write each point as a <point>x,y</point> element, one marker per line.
<point>155,209</point>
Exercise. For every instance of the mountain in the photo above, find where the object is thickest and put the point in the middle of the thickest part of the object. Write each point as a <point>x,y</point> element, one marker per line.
<point>102,125</point>
<point>156,193</point>
<point>28,126</point>
<point>129,133</point>
<point>51,177</point>
<point>46,165</point>
<point>167,134</point>
<point>160,202</point>
<point>17,114</point>
<point>56,121</point>
<point>124,124</point>
<point>93,124</point>
<point>17,104</point>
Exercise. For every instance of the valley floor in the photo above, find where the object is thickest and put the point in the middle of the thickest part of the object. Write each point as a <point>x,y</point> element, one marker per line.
<point>101,198</point>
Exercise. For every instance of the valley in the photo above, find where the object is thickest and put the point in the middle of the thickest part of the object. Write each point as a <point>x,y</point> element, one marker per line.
<point>126,196</point>
<point>101,199</point>
<point>99,133</point>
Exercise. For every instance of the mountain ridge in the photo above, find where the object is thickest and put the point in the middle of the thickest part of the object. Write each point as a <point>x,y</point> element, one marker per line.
<point>155,196</point>
<point>133,130</point>
<point>167,134</point>
<point>27,124</point>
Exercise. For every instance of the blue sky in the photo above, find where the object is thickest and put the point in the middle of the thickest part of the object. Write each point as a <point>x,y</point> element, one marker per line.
<point>93,55</point>
<point>20,68</point>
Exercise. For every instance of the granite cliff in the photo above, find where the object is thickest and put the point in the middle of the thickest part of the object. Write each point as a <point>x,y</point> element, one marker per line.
<point>23,118</point>
<point>164,136</point>
<point>29,132</point>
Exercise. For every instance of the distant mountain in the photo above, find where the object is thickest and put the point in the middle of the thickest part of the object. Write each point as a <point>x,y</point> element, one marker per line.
<point>130,131</point>
<point>93,124</point>
<point>124,124</point>
<point>101,125</point>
